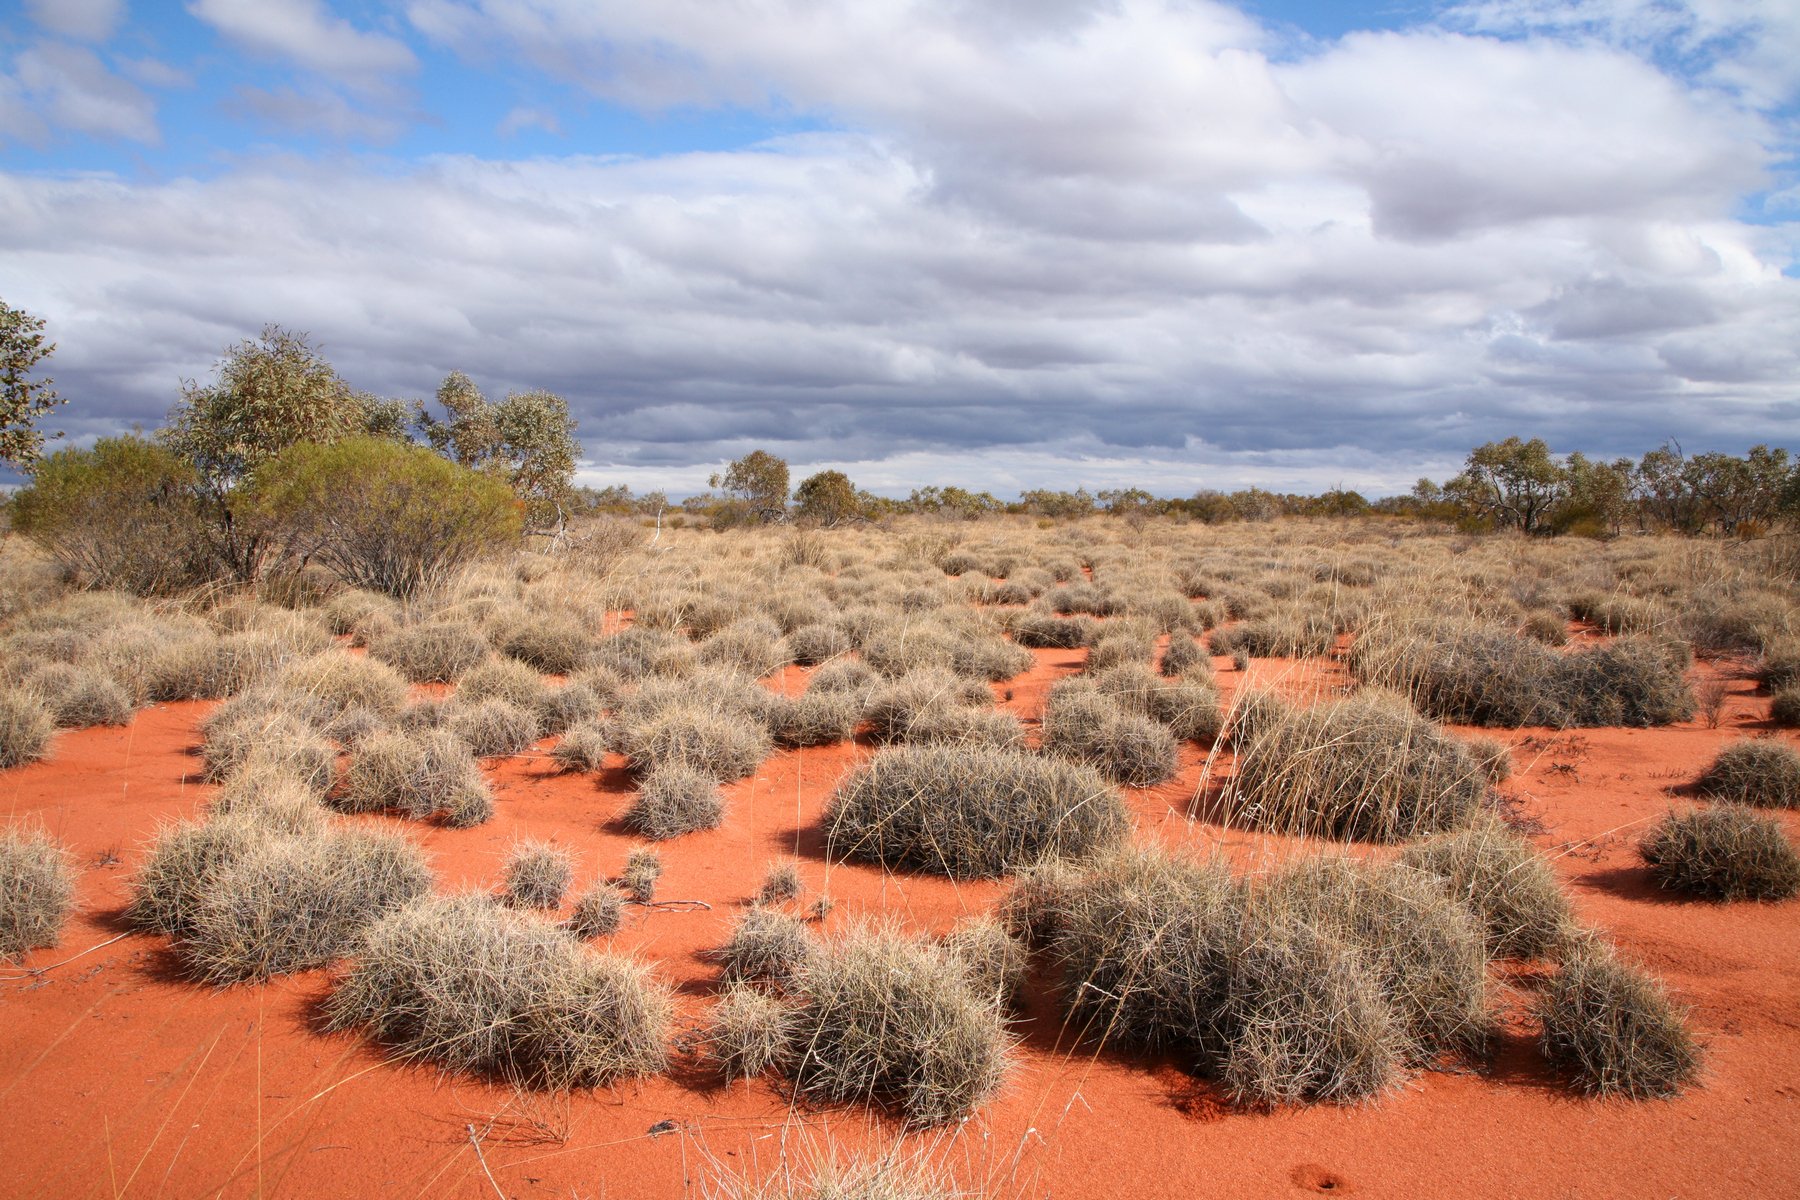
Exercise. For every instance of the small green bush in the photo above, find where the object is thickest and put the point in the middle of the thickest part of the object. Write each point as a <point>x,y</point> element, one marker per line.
<point>1727,853</point>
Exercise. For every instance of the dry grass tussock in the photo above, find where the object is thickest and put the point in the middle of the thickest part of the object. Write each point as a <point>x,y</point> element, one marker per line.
<point>432,652</point>
<point>1084,726</point>
<point>1366,767</point>
<point>37,891</point>
<point>674,799</point>
<point>599,912</point>
<point>894,1174</point>
<point>423,775</point>
<point>873,1016</point>
<point>1614,1030</point>
<point>969,812</point>
<point>472,986</point>
<point>537,874</point>
<point>26,726</point>
<point>1505,882</point>
<point>1725,853</point>
<point>1760,771</point>
<point>77,697</point>
<point>643,867</point>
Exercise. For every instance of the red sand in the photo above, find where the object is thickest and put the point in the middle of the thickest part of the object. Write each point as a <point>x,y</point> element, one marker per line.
<point>119,1078</point>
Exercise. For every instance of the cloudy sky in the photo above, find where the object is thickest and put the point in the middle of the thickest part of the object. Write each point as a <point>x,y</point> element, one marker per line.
<point>996,243</point>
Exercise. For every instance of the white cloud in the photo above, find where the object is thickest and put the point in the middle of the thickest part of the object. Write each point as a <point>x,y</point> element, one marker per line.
<point>90,20</point>
<point>308,34</point>
<point>313,112</point>
<point>521,118</point>
<point>56,85</point>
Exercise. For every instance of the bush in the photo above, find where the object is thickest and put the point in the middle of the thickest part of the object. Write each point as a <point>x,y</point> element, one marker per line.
<point>1040,630</point>
<point>435,652</point>
<point>765,946</point>
<point>382,515</point>
<point>1614,1030</point>
<point>537,874</point>
<point>271,796</point>
<point>211,668</point>
<point>1764,772</point>
<point>339,682</point>
<point>1188,706</point>
<point>503,679</point>
<point>920,699</point>
<point>751,645</point>
<point>559,708</point>
<point>815,719</point>
<point>1366,767</point>
<point>583,747</point>
<point>1504,882</point>
<point>643,867</point>
<point>422,775</point>
<point>493,727</point>
<point>475,987</point>
<point>722,744</point>
<point>1082,725</point>
<point>291,903</point>
<point>1727,853</point>
<point>555,645</point>
<point>276,741</point>
<point>599,912</point>
<point>178,870</point>
<point>118,516</point>
<point>750,1031</point>
<point>80,697</point>
<point>781,883</point>
<point>37,892</point>
<point>970,811</point>
<point>25,728</point>
<point>817,642</point>
<point>993,961</point>
<point>1184,655</point>
<point>674,799</point>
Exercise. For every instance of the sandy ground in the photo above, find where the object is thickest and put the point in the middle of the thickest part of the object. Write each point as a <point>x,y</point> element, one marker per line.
<point>121,1079</point>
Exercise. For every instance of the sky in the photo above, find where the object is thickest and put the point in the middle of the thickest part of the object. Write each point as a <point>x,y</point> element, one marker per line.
<point>1002,244</point>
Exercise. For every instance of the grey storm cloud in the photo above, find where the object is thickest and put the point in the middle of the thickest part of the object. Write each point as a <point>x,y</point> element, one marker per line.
<point>1040,244</point>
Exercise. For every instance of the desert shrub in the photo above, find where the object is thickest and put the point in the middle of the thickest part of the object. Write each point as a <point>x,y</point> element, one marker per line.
<point>537,874</point>
<point>1784,708</point>
<point>571,704</point>
<point>341,681</point>
<point>431,773</point>
<point>781,882</point>
<point>921,647</point>
<point>119,515</point>
<point>1616,612</point>
<point>476,987</point>
<point>1303,1018</point>
<point>1547,626</point>
<point>1425,950</point>
<point>37,891</point>
<point>1504,882</point>
<point>177,871</point>
<point>553,644</point>
<point>1046,631</point>
<point>749,1032</point>
<point>815,718</point>
<point>850,675</point>
<point>383,515</point>
<point>952,725</point>
<point>1185,655</point>
<point>970,811</point>
<point>1728,853</point>
<point>1494,755</point>
<point>674,799</point>
<point>1613,1030</point>
<point>25,727</point>
<point>209,668</point>
<point>640,652</point>
<point>1287,634</point>
<point>351,610</point>
<point>1366,767</point>
<point>291,903</point>
<point>503,679</point>
<point>752,645</point>
<point>1188,706</point>
<point>79,697</point>
<point>765,946</point>
<point>434,652</point>
<point>643,867</point>
<point>583,747</point>
<point>1120,649</point>
<point>704,737</point>
<point>269,795</point>
<point>278,740</point>
<point>493,727</point>
<point>993,960</point>
<point>599,912</point>
<point>881,1017</point>
<point>1483,676</point>
<point>1084,726</point>
<point>1761,771</point>
<point>896,707</point>
<point>1779,666</point>
<point>817,643</point>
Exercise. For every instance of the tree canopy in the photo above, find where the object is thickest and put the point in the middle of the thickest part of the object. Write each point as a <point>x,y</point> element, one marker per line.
<point>23,400</point>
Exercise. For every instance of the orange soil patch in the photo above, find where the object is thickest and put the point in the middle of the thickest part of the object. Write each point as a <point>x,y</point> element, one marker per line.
<point>120,1078</point>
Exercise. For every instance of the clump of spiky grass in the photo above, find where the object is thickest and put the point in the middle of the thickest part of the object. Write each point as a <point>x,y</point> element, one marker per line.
<point>25,728</point>
<point>890,1175</point>
<point>80,697</point>
<point>750,1031</point>
<point>477,987</point>
<point>1494,755</point>
<point>537,874</point>
<point>288,903</point>
<point>1185,655</point>
<point>434,652</point>
<point>1726,853</point>
<point>923,699</point>
<point>1784,707</point>
<point>993,960</point>
<point>817,642</point>
<point>765,946</point>
<point>503,679</point>
<point>674,799</point>
<point>1760,771</point>
<point>1187,705</point>
<point>1505,882</point>
<point>1366,767</point>
<point>701,736</point>
<point>1613,1029</point>
<point>643,867</point>
<point>276,740</point>
<point>180,864</point>
<point>423,775</point>
<point>966,812</point>
<point>583,747</point>
<point>340,681</point>
<point>750,645</point>
<point>559,709</point>
<point>493,728</point>
<point>265,791</point>
<point>1084,726</point>
<point>781,883</point>
<point>815,718</point>
<point>37,891</point>
<point>1046,631</point>
<point>555,645</point>
<point>209,668</point>
<point>1426,951</point>
<point>874,1015</point>
<point>1123,648</point>
<point>845,675</point>
<point>599,912</point>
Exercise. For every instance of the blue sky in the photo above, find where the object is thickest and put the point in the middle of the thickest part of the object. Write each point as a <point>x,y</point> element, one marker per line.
<point>1005,244</point>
